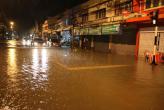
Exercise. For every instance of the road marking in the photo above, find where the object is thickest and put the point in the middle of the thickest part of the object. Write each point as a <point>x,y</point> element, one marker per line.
<point>97,67</point>
<point>90,67</point>
<point>63,66</point>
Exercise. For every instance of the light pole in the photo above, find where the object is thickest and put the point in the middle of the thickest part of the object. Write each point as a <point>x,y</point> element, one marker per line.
<point>12,28</point>
<point>154,19</point>
<point>12,25</point>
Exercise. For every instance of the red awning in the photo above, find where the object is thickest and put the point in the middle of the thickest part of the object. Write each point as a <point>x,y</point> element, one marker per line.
<point>142,19</point>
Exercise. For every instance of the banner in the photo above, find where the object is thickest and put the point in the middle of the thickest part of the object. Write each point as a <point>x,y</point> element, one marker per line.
<point>111,29</point>
<point>95,31</point>
<point>84,31</point>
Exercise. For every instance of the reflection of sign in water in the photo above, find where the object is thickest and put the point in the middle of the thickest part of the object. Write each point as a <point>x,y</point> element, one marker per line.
<point>84,31</point>
<point>110,29</point>
<point>95,31</point>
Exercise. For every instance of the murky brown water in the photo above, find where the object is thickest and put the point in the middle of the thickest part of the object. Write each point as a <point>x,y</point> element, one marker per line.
<point>52,79</point>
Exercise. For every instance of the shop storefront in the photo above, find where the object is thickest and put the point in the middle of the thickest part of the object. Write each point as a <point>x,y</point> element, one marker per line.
<point>116,38</point>
<point>147,39</point>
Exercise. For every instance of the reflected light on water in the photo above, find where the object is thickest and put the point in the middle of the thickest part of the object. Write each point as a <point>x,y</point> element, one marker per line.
<point>12,43</point>
<point>44,60</point>
<point>12,66</point>
<point>39,65</point>
<point>35,58</point>
<point>26,42</point>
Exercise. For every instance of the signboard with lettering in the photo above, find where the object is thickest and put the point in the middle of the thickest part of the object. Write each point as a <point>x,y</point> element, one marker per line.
<point>84,31</point>
<point>76,31</point>
<point>95,31</point>
<point>110,29</point>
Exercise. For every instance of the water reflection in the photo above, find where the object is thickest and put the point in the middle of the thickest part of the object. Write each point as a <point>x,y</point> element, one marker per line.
<point>12,64</point>
<point>25,83</point>
<point>26,75</point>
<point>44,60</point>
<point>39,64</point>
<point>12,43</point>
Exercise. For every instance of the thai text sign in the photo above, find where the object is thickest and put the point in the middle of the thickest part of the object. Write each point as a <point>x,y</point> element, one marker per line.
<point>84,31</point>
<point>95,31</point>
<point>110,29</point>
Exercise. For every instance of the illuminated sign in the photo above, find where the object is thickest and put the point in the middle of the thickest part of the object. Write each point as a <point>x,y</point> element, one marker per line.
<point>84,31</point>
<point>110,29</point>
<point>76,31</point>
<point>95,31</point>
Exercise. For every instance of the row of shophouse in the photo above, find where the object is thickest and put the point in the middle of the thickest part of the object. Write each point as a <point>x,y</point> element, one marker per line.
<point>3,27</point>
<point>5,32</point>
<point>116,26</point>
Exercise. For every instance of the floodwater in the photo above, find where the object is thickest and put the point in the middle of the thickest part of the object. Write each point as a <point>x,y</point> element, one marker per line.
<point>46,78</point>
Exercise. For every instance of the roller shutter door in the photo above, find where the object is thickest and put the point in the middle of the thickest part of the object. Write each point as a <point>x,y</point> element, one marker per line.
<point>146,42</point>
<point>161,45</point>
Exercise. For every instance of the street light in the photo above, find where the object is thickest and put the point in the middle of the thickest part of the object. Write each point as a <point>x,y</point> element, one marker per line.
<point>11,23</point>
<point>154,18</point>
<point>12,28</point>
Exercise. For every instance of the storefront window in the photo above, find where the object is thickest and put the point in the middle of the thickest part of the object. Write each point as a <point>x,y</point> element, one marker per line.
<point>154,3</point>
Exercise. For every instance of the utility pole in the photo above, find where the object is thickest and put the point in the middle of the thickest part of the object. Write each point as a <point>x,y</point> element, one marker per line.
<point>140,7</point>
<point>73,24</point>
<point>154,19</point>
<point>36,29</point>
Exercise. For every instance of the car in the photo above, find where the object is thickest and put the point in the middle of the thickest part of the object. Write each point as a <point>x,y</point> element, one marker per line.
<point>65,42</point>
<point>38,42</point>
<point>54,40</point>
<point>26,42</point>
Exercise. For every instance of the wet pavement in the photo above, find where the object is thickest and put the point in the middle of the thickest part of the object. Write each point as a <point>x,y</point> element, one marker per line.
<point>51,78</point>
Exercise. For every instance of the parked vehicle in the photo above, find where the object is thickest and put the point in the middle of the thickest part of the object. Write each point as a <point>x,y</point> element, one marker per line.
<point>159,57</point>
<point>54,40</point>
<point>38,42</point>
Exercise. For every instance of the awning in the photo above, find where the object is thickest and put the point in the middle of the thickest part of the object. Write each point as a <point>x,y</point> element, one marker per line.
<point>60,29</point>
<point>67,28</point>
<point>139,19</point>
<point>53,31</point>
<point>143,19</point>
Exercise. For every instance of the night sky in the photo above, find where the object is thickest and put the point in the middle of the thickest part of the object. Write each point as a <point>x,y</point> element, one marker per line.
<point>25,12</point>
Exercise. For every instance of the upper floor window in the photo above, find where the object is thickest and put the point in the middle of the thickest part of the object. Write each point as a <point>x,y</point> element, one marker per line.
<point>110,4</point>
<point>125,5</point>
<point>101,13</point>
<point>154,3</point>
<point>85,17</point>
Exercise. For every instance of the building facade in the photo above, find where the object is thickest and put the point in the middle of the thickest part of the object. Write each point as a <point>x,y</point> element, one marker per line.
<point>117,26</point>
<point>60,26</point>
<point>145,37</point>
<point>102,24</point>
<point>3,27</point>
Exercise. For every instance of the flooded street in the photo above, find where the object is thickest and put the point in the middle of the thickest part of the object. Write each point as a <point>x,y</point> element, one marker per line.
<point>52,78</point>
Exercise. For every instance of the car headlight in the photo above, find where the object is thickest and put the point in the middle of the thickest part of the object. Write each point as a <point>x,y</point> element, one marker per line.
<point>35,43</point>
<point>24,42</point>
<point>28,42</point>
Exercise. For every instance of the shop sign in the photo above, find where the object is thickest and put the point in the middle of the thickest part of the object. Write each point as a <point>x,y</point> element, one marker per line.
<point>84,31</point>
<point>95,31</point>
<point>76,31</point>
<point>111,29</point>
